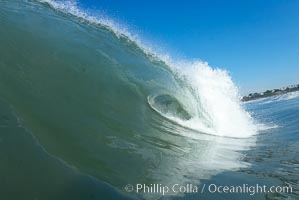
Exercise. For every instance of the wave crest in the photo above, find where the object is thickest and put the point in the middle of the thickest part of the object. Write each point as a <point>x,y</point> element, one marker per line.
<point>207,93</point>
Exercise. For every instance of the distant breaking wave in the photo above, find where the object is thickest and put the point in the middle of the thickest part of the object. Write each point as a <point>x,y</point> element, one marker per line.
<point>282,97</point>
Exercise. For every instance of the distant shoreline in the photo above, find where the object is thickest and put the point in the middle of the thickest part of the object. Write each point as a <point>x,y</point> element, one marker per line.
<point>269,93</point>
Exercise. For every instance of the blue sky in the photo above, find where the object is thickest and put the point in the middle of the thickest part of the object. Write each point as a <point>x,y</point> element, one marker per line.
<point>257,41</point>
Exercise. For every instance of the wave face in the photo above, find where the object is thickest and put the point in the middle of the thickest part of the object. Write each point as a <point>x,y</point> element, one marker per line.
<point>208,94</point>
<point>89,91</point>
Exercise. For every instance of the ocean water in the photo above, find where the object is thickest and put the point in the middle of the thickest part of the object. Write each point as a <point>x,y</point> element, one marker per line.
<point>86,109</point>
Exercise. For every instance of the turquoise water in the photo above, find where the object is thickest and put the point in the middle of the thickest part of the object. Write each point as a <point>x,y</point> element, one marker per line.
<point>87,109</point>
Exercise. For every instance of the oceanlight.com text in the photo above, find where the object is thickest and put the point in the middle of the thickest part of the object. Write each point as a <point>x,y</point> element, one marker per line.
<point>206,188</point>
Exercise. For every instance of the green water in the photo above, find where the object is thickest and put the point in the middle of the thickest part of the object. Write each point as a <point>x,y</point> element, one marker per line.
<point>84,112</point>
